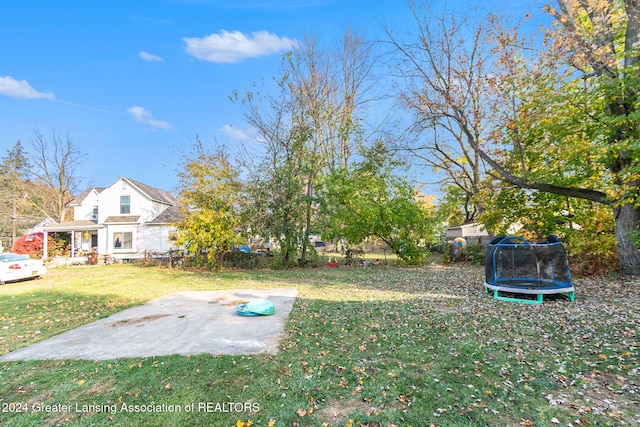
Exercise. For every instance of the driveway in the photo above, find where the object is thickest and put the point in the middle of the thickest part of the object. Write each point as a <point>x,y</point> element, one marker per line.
<point>185,322</point>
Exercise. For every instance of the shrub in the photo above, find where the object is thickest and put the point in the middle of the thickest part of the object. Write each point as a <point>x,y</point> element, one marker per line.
<point>244,260</point>
<point>31,244</point>
<point>453,253</point>
<point>353,256</point>
<point>474,254</point>
<point>592,248</point>
<point>595,255</point>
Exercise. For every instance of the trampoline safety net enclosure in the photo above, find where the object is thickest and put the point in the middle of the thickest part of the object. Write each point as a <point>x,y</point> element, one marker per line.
<point>518,270</point>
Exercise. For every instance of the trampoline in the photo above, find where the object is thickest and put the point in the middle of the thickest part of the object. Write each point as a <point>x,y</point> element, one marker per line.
<point>521,271</point>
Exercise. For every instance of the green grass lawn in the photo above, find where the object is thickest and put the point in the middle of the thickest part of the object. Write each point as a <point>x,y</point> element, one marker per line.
<point>363,347</point>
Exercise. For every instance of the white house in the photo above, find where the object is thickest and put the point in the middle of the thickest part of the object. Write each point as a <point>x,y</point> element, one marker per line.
<point>125,220</point>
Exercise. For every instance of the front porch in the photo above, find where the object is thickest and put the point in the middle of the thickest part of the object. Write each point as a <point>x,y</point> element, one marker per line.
<point>83,237</point>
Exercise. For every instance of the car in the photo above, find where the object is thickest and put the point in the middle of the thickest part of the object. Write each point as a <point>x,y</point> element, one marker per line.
<point>14,267</point>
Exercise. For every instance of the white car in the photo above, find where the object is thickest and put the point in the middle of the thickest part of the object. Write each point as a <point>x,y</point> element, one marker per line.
<point>15,267</point>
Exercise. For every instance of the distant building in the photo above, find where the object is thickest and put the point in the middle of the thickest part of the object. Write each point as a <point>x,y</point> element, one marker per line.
<point>472,233</point>
<point>476,232</point>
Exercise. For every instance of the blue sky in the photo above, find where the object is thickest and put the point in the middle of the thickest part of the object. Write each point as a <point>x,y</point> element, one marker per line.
<point>134,82</point>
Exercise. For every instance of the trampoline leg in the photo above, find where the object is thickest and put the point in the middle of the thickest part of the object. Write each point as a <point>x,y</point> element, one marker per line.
<point>538,300</point>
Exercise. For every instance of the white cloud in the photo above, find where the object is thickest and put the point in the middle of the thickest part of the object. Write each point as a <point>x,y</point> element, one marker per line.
<point>234,46</point>
<point>143,116</point>
<point>21,89</point>
<point>235,133</point>
<point>149,57</point>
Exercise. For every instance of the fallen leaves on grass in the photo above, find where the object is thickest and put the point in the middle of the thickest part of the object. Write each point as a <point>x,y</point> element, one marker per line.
<point>499,353</point>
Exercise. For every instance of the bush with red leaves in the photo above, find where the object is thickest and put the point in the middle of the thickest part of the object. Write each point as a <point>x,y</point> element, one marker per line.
<point>31,244</point>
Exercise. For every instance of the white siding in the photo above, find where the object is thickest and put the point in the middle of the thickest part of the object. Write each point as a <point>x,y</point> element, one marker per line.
<point>474,231</point>
<point>454,232</point>
<point>467,230</point>
<point>140,204</point>
<point>84,211</point>
<point>155,238</point>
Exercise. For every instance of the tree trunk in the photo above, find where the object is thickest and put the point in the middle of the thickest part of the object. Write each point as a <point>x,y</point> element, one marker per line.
<point>307,226</point>
<point>627,220</point>
<point>627,216</point>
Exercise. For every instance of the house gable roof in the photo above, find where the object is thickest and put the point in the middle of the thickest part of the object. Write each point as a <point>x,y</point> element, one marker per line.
<point>169,215</point>
<point>155,194</point>
<point>78,200</point>
<point>122,219</point>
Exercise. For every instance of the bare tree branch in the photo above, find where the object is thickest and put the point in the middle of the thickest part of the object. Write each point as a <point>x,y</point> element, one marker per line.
<point>55,161</point>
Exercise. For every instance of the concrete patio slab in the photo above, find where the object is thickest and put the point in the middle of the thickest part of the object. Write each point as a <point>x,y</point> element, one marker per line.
<point>185,322</point>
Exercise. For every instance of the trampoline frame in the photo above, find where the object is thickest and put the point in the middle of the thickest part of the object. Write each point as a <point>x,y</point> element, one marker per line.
<point>526,285</point>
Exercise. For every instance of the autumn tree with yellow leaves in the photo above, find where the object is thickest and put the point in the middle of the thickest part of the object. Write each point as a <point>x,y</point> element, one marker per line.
<point>211,196</point>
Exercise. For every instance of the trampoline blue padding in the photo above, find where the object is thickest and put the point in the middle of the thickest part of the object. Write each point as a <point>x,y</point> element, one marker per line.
<point>516,266</point>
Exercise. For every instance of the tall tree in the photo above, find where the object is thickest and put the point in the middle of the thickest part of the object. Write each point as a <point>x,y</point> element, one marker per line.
<point>16,163</point>
<point>210,192</point>
<point>601,40</point>
<point>314,114</point>
<point>279,202</point>
<point>368,200</point>
<point>442,67</point>
<point>278,183</point>
<point>15,212</point>
<point>55,158</point>
<point>579,126</point>
<point>563,120</point>
<point>328,87</point>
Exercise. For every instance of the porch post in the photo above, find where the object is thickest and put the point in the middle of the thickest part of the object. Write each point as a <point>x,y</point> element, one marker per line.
<point>106,239</point>
<point>45,244</point>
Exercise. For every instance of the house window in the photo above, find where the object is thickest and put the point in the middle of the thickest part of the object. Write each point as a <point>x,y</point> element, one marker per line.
<point>123,240</point>
<point>125,205</point>
<point>94,214</point>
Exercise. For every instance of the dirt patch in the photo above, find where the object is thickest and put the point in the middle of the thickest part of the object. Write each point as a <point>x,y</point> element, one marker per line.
<point>134,321</point>
<point>338,412</point>
<point>225,301</point>
<point>447,309</point>
<point>103,387</point>
<point>234,303</point>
